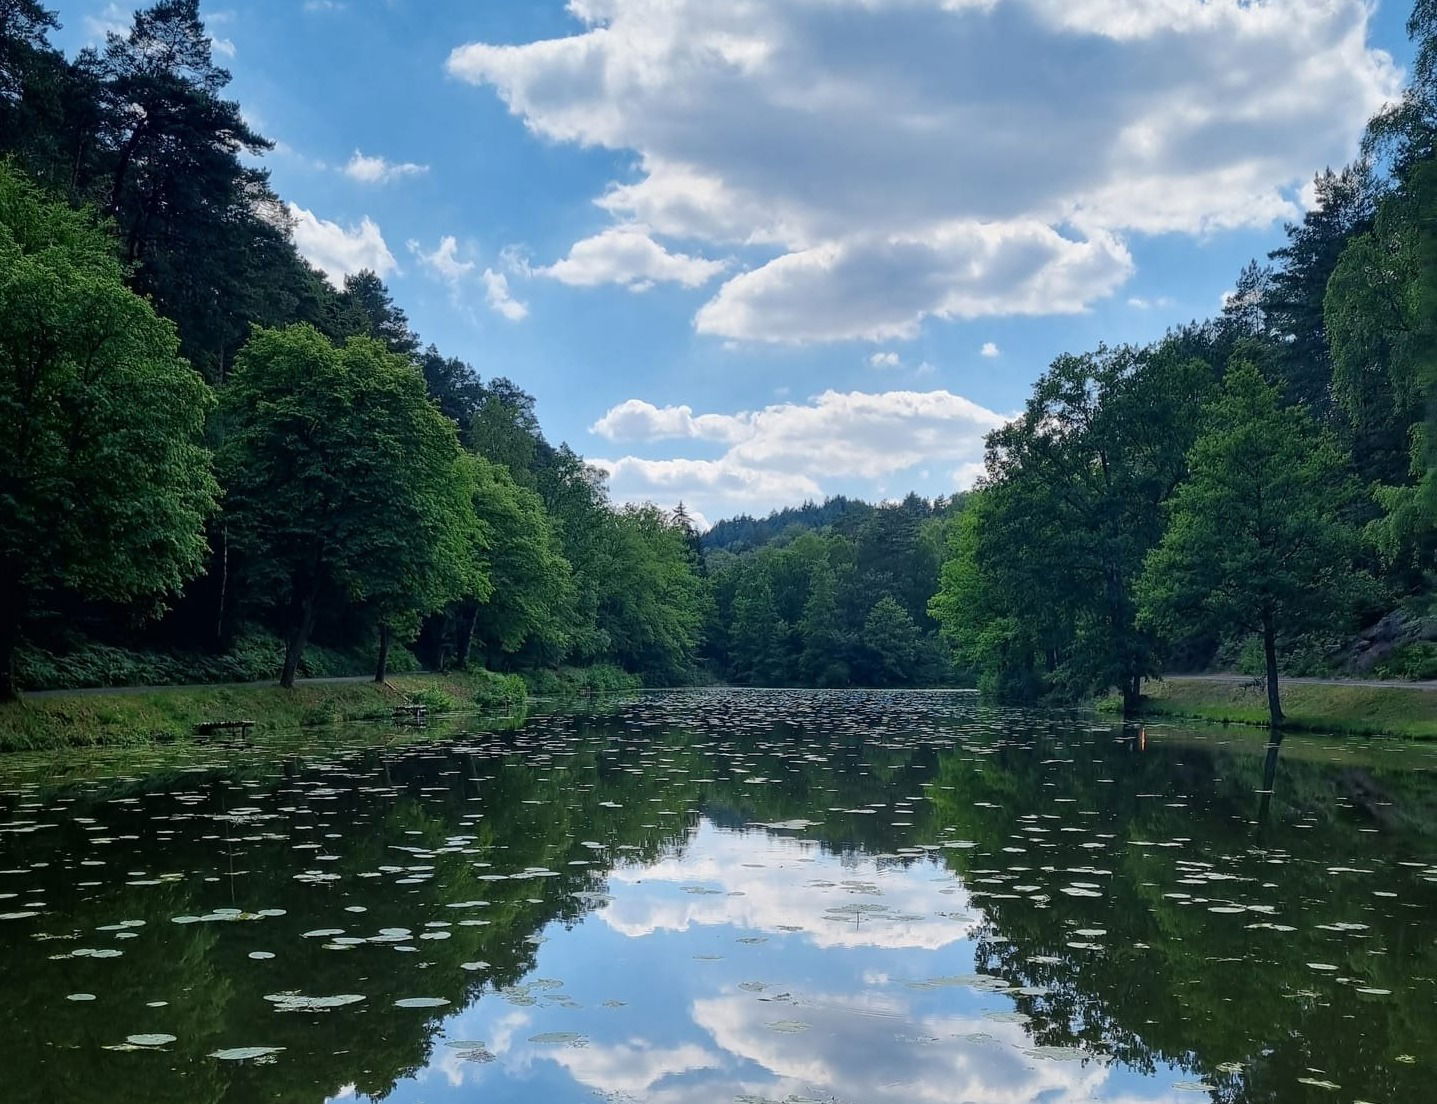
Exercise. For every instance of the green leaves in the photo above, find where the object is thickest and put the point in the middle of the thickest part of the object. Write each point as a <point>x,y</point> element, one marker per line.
<point>343,478</point>
<point>1039,595</point>
<point>1256,539</point>
<point>104,483</point>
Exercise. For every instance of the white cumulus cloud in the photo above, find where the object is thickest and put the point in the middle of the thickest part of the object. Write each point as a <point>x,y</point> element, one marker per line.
<point>892,161</point>
<point>336,250</point>
<point>443,261</point>
<point>628,256</point>
<point>499,298</point>
<point>791,451</point>
<point>369,169</point>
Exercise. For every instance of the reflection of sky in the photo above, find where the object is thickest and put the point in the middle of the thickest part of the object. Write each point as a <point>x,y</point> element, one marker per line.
<point>775,884</point>
<point>754,989</point>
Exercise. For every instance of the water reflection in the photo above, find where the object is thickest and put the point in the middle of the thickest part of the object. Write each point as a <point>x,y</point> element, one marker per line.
<point>731,896</point>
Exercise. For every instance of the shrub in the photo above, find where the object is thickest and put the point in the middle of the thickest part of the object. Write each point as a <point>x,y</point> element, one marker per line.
<point>1417,661</point>
<point>601,678</point>
<point>434,699</point>
<point>323,712</point>
<point>494,691</point>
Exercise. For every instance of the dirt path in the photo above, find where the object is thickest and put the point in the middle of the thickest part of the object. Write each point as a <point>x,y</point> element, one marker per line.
<point>1369,684</point>
<point>197,686</point>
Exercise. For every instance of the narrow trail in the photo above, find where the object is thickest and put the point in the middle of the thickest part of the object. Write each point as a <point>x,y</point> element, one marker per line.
<point>269,683</point>
<point>1367,684</point>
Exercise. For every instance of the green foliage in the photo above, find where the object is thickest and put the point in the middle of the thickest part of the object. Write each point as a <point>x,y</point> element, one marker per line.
<point>531,604</point>
<point>343,480</point>
<point>757,642</point>
<point>796,608</point>
<point>652,602</point>
<point>323,712</point>
<point>253,657</point>
<point>823,660</point>
<point>890,640</point>
<point>743,532</point>
<point>349,511</point>
<point>434,699</point>
<point>1416,660</point>
<point>1039,595</point>
<point>347,507</point>
<point>1255,539</point>
<point>600,678</point>
<point>104,482</point>
<point>1307,707</point>
<point>1381,305</point>
<point>496,691</point>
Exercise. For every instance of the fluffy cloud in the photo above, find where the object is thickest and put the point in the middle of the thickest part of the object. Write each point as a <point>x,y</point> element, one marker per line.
<point>906,159</point>
<point>376,170</point>
<point>338,251</point>
<point>990,350</point>
<point>787,452</point>
<point>627,255</point>
<point>979,1061</point>
<point>878,289</point>
<point>443,261</point>
<point>636,420</point>
<point>935,910</point>
<point>499,298</point>
<point>721,482</point>
<point>636,1066</point>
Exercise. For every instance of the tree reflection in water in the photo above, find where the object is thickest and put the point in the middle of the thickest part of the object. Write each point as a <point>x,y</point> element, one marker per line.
<point>704,895</point>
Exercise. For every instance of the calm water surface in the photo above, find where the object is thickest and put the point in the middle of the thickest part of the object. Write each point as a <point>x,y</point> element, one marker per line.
<point>727,896</point>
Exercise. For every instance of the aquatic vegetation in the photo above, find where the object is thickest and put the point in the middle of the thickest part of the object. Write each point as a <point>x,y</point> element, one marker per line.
<point>722,887</point>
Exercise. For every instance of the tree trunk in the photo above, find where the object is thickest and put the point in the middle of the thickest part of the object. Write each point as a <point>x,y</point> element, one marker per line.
<point>1269,780</point>
<point>1132,695</point>
<point>224,585</point>
<point>9,641</point>
<point>381,670</point>
<point>1269,649</point>
<point>301,622</point>
<point>468,619</point>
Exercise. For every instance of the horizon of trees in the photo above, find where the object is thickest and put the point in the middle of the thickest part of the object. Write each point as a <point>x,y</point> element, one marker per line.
<point>1267,478</point>
<point>216,442</point>
<point>218,446</point>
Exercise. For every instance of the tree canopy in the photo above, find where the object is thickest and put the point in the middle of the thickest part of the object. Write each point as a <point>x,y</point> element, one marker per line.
<point>105,483</point>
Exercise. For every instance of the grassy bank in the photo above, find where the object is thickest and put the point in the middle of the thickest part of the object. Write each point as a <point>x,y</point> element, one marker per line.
<point>87,720</point>
<point>1349,710</point>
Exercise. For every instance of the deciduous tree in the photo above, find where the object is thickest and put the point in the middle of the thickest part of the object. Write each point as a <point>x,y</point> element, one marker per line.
<point>104,481</point>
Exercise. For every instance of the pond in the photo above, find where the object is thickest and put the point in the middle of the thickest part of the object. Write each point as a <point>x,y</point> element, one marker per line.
<point>711,896</point>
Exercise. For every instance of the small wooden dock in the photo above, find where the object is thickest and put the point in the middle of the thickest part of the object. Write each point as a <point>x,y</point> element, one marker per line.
<point>231,731</point>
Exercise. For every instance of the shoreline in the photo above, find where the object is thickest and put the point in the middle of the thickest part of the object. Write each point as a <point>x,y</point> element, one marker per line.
<point>1359,708</point>
<point>138,717</point>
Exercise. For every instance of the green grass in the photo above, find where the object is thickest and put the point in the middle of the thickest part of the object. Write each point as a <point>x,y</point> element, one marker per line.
<point>91,720</point>
<point>601,678</point>
<point>1347,710</point>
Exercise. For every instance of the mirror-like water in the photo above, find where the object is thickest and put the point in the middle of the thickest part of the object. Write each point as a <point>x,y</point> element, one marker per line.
<point>729,896</point>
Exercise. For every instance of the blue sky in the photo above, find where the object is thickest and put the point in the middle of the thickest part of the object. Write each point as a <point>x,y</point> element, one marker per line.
<point>750,252</point>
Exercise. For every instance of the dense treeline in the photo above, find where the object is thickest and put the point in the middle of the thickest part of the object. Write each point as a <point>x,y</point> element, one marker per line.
<point>830,595</point>
<point>1260,484</point>
<point>206,443</point>
<point>217,454</point>
<point>744,532</point>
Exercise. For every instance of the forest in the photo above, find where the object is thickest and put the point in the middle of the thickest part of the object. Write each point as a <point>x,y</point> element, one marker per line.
<point>218,465</point>
<point>225,467</point>
<point>1250,491</point>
